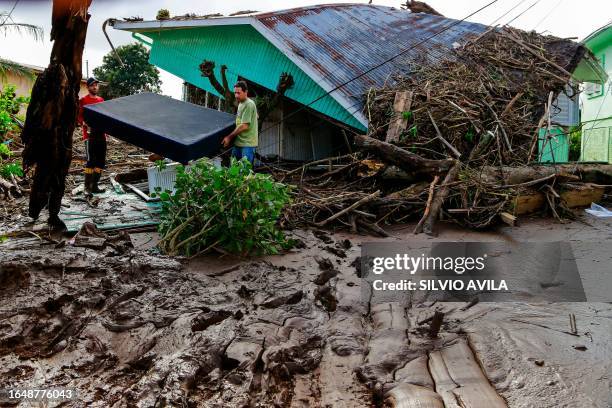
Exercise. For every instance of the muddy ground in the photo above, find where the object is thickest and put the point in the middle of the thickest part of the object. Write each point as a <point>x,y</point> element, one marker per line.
<point>127,327</point>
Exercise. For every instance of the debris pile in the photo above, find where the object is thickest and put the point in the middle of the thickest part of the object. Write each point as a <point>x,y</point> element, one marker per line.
<point>456,136</point>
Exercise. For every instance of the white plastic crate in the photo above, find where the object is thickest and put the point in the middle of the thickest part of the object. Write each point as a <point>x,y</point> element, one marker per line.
<point>164,179</point>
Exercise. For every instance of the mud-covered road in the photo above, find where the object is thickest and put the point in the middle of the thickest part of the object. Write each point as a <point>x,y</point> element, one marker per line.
<point>125,327</point>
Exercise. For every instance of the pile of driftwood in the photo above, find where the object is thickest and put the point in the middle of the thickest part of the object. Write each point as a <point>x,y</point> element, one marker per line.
<point>455,139</point>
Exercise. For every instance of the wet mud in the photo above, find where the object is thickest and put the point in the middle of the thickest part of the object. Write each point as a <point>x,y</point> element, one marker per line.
<point>129,328</point>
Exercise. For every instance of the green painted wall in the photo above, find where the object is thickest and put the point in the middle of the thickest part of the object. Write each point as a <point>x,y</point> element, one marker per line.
<point>596,113</point>
<point>246,53</point>
<point>554,149</point>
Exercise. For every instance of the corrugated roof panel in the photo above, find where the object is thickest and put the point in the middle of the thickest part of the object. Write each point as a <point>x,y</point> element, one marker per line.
<point>326,44</point>
<point>342,41</point>
<point>246,53</point>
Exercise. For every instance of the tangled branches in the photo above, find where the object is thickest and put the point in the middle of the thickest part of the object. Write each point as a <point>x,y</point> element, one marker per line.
<point>446,137</point>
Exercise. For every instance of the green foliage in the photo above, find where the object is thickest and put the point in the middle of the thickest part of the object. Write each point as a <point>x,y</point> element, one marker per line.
<point>10,104</point>
<point>469,136</point>
<point>10,67</point>
<point>136,76</point>
<point>407,115</point>
<point>5,151</point>
<point>6,170</point>
<point>163,14</point>
<point>575,142</point>
<point>160,165</point>
<point>232,209</point>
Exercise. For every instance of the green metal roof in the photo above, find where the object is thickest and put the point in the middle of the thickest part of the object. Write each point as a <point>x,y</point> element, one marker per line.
<point>600,38</point>
<point>246,53</point>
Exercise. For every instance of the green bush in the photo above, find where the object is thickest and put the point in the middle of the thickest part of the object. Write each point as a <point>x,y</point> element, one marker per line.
<point>163,14</point>
<point>231,209</point>
<point>8,169</point>
<point>10,104</point>
<point>575,142</point>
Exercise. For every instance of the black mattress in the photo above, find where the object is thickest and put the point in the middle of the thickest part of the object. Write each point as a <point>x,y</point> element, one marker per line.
<point>174,129</point>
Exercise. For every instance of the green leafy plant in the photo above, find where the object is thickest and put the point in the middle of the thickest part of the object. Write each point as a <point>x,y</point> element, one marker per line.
<point>228,208</point>
<point>575,142</point>
<point>160,165</point>
<point>407,115</point>
<point>163,14</point>
<point>10,104</point>
<point>136,75</point>
<point>7,170</point>
<point>5,151</point>
<point>469,136</point>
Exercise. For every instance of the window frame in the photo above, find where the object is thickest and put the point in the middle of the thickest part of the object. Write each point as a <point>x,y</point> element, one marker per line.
<point>602,87</point>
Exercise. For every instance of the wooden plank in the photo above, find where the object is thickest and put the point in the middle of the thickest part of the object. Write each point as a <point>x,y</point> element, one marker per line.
<point>528,203</point>
<point>574,195</point>
<point>581,195</point>
<point>140,193</point>
<point>401,104</point>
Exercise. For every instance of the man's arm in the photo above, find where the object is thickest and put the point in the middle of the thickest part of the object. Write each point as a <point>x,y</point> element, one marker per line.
<point>229,139</point>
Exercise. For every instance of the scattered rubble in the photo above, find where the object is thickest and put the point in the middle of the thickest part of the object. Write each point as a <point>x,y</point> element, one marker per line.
<point>456,139</point>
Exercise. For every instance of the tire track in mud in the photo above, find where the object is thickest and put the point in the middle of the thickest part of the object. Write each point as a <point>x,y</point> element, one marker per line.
<point>142,330</point>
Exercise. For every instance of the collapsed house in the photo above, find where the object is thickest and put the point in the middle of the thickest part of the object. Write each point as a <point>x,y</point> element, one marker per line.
<point>454,110</point>
<point>321,47</point>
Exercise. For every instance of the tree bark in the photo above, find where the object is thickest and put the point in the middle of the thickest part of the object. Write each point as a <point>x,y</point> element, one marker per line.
<point>52,112</point>
<point>592,173</point>
<point>403,159</point>
<point>207,68</point>
<point>285,81</point>
<point>439,198</point>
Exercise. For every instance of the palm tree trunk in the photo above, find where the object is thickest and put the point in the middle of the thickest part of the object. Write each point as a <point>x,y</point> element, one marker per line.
<point>52,113</point>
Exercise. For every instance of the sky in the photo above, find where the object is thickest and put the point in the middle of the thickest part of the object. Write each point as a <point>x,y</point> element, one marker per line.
<point>563,18</point>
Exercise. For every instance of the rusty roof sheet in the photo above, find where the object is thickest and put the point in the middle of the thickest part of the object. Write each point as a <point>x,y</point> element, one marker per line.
<point>341,41</point>
<point>334,43</point>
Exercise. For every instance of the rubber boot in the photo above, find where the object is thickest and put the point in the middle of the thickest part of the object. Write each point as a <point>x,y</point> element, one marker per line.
<point>94,184</point>
<point>56,224</point>
<point>88,180</point>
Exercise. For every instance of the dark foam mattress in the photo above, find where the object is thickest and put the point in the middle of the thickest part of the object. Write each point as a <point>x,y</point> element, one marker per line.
<point>174,129</point>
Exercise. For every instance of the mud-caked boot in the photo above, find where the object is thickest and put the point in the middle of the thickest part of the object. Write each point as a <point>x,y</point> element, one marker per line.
<point>94,184</point>
<point>56,224</point>
<point>88,180</point>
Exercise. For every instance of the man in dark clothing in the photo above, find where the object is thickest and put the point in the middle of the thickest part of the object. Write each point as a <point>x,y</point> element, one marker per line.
<point>95,141</point>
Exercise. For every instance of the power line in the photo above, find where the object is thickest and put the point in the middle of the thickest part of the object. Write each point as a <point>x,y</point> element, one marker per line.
<point>431,53</point>
<point>384,62</point>
<point>547,14</point>
<point>507,12</point>
<point>8,16</point>
<point>524,11</point>
<point>433,50</point>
